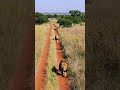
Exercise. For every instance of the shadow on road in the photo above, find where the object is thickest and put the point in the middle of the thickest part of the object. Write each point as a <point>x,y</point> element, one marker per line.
<point>57,71</point>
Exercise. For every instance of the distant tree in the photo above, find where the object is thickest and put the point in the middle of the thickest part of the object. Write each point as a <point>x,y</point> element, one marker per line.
<point>55,15</point>
<point>75,12</point>
<point>75,19</point>
<point>65,22</point>
<point>49,16</point>
<point>83,17</point>
<point>40,18</point>
<point>37,14</point>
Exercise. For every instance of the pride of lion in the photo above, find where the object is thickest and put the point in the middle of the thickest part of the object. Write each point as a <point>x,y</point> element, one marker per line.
<point>63,66</point>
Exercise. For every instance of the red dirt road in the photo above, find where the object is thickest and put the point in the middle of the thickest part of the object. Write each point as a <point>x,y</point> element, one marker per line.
<point>41,70</point>
<point>63,82</point>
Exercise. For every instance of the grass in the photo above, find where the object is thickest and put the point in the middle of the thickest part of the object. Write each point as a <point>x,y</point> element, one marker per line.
<point>52,20</point>
<point>73,43</point>
<point>51,82</point>
<point>41,32</point>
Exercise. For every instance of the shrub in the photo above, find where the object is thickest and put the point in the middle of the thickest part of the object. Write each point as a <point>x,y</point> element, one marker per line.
<point>40,18</point>
<point>83,17</point>
<point>65,22</point>
<point>75,13</point>
<point>75,19</point>
<point>49,16</point>
<point>38,14</point>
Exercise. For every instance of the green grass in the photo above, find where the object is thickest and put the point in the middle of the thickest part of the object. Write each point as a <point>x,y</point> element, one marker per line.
<point>51,82</point>
<point>73,43</point>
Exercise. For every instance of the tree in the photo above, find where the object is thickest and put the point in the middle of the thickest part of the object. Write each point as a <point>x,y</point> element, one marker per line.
<point>75,13</point>
<point>37,14</point>
<point>55,15</point>
<point>40,18</point>
<point>49,16</point>
<point>65,22</point>
<point>75,19</point>
<point>83,17</point>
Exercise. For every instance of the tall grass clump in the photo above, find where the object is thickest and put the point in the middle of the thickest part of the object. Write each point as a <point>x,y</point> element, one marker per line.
<point>41,32</point>
<point>73,44</point>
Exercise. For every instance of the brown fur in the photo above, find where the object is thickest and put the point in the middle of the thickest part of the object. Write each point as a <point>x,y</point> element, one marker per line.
<point>63,66</point>
<point>56,37</point>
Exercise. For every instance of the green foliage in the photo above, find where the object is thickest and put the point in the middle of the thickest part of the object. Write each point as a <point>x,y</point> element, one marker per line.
<point>52,16</point>
<point>65,22</point>
<point>38,14</point>
<point>49,16</point>
<point>40,18</point>
<point>76,17</point>
<point>55,15</point>
<point>75,13</point>
<point>83,17</point>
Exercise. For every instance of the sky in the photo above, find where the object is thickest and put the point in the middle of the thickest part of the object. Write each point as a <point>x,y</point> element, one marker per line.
<point>52,6</point>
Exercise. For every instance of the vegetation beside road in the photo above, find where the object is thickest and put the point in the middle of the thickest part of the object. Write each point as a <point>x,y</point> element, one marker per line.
<point>40,18</point>
<point>75,17</point>
<point>72,37</point>
<point>40,36</point>
<point>73,43</point>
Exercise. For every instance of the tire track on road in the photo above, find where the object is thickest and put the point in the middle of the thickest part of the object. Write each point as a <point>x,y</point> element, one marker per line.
<point>40,74</point>
<point>63,82</point>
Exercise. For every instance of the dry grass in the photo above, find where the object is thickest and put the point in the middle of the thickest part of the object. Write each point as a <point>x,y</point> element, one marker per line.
<point>73,43</point>
<point>41,32</point>
<point>51,82</point>
<point>53,20</point>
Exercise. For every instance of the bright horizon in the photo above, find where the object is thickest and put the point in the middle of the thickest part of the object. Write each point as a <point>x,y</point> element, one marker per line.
<point>61,6</point>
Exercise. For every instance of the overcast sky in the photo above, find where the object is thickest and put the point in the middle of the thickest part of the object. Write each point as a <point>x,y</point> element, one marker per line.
<point>51,6</point>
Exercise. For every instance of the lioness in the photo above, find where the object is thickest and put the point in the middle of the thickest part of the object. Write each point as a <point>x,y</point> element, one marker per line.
<point>56,38</point>
<point>63,67</point>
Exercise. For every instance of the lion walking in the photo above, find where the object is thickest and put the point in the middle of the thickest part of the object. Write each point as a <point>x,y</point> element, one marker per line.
<point>63,66</point>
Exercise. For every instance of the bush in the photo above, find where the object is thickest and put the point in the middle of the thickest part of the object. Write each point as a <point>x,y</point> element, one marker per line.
<point>49,16</point>
<point>75,19</point>
<point>65,22</point>
<point>83,18</point>
<point>38,14</point>
<point>40,18</point>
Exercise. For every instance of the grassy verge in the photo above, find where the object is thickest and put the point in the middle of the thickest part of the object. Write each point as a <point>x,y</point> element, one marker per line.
<point>51,82</point>
<point>41,32</point>
<point>73,43</point>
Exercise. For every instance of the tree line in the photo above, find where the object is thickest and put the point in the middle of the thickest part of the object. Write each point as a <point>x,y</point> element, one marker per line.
<point>75,17</point>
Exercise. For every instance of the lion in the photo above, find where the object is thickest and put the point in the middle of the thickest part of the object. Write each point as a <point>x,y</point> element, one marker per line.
<point>56,38</point>
<point>63,66</point>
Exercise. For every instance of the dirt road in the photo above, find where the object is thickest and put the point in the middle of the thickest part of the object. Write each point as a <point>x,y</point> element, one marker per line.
<point>62,81</point>
<point>40,74</point>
